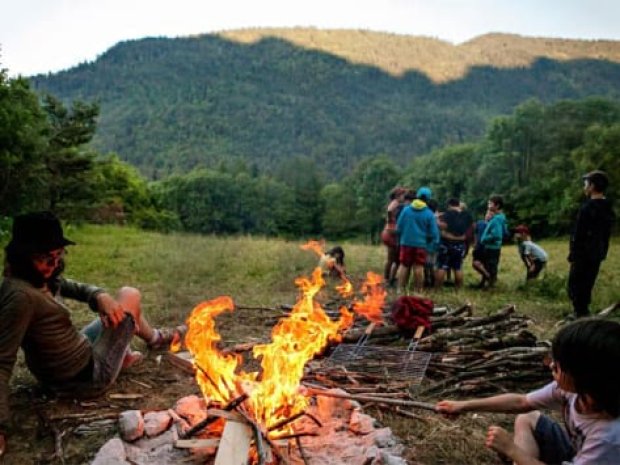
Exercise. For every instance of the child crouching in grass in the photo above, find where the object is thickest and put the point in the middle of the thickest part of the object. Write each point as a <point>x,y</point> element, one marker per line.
<point>585,390</point>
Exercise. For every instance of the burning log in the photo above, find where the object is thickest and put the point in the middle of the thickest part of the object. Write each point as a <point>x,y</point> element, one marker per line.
<point>207,421</point>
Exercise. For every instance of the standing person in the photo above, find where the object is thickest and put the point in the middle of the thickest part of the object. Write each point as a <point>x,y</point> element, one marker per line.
<point>493,238</point>
<point>417,229</point>
<point>585,391</point>
<point>453,225</point>
<point>389,236</point>
<point>477,256</point>
<point>534,256</point>
<point>589,241</point>
<point>34,317</point>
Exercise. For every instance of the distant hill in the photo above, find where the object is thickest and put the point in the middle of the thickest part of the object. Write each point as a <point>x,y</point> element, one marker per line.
<point>262,95</point>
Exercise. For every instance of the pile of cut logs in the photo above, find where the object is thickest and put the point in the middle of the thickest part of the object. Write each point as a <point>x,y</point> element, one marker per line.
<point>471,355</point>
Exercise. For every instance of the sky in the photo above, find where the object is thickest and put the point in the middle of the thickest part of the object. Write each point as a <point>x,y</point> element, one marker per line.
<point>40,36</point>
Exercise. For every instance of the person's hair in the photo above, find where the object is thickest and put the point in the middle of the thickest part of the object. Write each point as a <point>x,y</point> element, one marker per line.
<point>18,264</point>
<point>454,202</point>
<point>497,200</point>
<point>409,195</point>
<point>589,352</point>
<point>338,253</point>
<point>432,204</point>
<point>396,192</point>
<point>598,179</point>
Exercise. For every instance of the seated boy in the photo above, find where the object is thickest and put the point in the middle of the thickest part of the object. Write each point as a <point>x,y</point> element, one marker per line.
<point>533,255</point>
<point>585,390</point>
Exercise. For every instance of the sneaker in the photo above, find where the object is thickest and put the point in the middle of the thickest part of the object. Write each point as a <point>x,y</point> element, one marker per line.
<point>132,357</point>
<point>168,336</point>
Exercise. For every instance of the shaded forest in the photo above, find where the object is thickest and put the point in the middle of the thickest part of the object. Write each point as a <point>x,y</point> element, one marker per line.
<point>171,105</point>
<point>268,138</point>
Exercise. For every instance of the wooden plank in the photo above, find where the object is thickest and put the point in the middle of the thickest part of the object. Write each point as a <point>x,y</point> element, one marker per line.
<point>230,416</point>
<point>234,444</point>
<point>196,443</point>
<point>181,360</point>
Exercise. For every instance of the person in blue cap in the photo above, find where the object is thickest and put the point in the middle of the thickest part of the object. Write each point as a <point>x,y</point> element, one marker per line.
<point>418,232</point>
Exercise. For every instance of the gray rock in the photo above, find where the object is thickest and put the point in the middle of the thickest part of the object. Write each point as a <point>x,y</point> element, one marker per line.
<point>131,425</point>
<point>155,423</point>
<point>111,453</point>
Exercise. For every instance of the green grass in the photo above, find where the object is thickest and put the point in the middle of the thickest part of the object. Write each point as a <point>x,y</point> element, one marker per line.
<point>177,271</point>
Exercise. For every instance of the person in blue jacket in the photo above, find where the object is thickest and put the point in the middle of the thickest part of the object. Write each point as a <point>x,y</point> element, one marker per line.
<point>492,238</point>
<point>418,232</point>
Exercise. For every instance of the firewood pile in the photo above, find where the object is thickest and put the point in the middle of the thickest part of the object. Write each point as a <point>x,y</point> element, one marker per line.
<point>471,355</point>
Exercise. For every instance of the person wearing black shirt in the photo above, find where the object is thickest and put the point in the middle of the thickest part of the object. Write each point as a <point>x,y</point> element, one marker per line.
<point>589,241</point>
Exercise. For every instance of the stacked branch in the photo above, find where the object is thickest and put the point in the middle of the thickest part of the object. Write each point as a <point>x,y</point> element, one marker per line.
<point>471,355</point>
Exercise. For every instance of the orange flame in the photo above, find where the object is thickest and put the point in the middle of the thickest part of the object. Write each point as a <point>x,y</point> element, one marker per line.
<point>295,340</point>
<point>315,246</point>
<point>374,298</point>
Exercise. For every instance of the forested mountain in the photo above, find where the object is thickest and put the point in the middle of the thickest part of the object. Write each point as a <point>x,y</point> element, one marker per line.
<point>260,97</point>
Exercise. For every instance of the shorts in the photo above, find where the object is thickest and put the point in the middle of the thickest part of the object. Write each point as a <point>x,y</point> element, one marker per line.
<point>108,351</point>
<point>450,256</point>
<point>491,260</point>
<point>388,237</point>
<point>553,441</point>
<point>538,267</point>
<point>478,254</point>
<point>410,256</point>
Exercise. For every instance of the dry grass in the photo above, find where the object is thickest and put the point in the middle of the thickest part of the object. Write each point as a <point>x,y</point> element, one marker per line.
<point>176,272</point>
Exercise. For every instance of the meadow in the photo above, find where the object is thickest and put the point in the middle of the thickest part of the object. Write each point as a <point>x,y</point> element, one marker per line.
<point>175,272</point>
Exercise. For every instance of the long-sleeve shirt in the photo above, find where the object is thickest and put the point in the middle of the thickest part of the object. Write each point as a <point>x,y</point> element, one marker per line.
<point>41,325</point>
<point>590,238</point>
<point>417,226</point>
<point>493,235</point>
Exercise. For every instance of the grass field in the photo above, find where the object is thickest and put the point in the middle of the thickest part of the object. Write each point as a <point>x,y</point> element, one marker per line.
<point>177,271</point>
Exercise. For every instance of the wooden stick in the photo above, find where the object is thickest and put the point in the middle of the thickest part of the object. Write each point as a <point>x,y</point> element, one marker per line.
<point>207,421</point>
<point>302,453</point>
<point>379,400</point>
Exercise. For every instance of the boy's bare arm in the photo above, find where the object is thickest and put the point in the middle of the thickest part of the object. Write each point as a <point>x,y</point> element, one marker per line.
<point>504,403</point>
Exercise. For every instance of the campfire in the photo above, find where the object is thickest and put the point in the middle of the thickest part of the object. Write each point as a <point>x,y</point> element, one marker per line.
<point>261,416</point>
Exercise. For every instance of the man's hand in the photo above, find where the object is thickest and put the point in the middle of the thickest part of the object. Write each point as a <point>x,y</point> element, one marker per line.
<point>110,311</point>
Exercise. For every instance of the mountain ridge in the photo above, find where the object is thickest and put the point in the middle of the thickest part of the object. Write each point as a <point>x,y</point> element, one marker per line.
<point>168,105</point>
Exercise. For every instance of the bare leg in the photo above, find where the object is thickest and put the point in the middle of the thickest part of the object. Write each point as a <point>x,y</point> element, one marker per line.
<point>525,424</point>
<point>439,277</point>
<point>403,278</point>
<point>458,279</point>
<point>418,278</point>
<point>131,299</point>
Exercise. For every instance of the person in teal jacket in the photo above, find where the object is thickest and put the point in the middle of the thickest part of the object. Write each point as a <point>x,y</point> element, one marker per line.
<point>492,239</point>
<point>418,232</point>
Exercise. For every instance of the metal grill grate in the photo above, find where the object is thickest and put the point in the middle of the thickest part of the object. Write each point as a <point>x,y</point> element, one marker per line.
<point>387,362</point>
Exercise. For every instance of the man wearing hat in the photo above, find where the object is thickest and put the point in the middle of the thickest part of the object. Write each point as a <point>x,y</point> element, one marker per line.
<point>33,317</point>
<point>589,241</point>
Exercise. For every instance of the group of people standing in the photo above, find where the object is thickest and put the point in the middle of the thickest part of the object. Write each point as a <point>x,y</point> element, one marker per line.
<point>434,242</point>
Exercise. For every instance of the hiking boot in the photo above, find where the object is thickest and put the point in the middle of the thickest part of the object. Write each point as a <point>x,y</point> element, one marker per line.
<point>168,336</point>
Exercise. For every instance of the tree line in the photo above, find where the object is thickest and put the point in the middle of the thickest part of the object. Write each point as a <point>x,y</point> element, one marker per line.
<point>534,157</point>
<point>171,105</point>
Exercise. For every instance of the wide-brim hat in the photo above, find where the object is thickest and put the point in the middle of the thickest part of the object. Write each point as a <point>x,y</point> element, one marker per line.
<point>38,232</point>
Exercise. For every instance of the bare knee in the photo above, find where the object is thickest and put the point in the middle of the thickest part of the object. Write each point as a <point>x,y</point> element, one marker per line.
<point>526,421</point>
<point>130,297</point>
